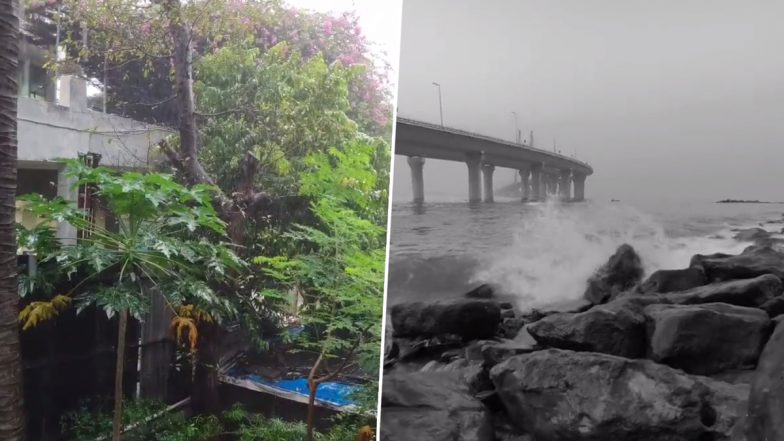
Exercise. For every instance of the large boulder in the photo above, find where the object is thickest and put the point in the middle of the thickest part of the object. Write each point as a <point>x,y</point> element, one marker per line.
<point>472,373</point>
<point>621,272</point>
<point>617,328</point>
<point>752,262</point>
<point>431,406</point>
<point>559,395</point>
<point>468,318</point>
<point>706,339</point>
<point>765,420</point>
<point>774,307</point>
<point>674,280</point>
<point>751,234</point>
<point>744,292</point>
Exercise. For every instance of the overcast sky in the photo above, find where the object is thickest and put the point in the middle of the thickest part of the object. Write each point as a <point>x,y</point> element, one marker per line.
<point>379,20</point>
<point>675,99</point>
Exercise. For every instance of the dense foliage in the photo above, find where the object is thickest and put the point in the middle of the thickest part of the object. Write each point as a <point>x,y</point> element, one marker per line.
<point>152,422</point>
<point>278,157</point>
<point>152,246</point>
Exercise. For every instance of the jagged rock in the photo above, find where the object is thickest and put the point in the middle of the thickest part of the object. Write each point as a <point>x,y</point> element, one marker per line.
<point>774,307</point>
<point>559,395</point>
<point>468,318</point>
<point>621,272</point>
<point>432,347</point>
<point>744,292</point>
<point>751,234</point>
<point>483,291</point>
<point>431,406</point>
<point>574,305</point>
<point>492,352</point>
<point>706,339</point>
<point>752,262</point>
<point>472,373</point>
<point>674,280</point>
<point>511,326</point>
<point>533,315</point>
<point>617,328</point>
<point>765,420</point>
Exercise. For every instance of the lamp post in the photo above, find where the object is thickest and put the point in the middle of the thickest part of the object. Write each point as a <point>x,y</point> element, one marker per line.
<point>440,105</point>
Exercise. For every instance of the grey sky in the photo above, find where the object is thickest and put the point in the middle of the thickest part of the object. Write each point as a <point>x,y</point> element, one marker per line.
<point>678,99</point>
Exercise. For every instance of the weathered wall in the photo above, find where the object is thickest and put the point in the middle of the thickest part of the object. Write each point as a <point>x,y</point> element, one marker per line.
<point>49,131</point>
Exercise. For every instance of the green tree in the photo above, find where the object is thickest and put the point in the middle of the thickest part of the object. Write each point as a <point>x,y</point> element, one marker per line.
<point>341,271</point>
<point>159,246</point>
<point>11,418</point>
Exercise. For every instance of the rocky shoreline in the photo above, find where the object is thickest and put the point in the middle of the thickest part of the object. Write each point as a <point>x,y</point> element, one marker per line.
<point>683,354</point>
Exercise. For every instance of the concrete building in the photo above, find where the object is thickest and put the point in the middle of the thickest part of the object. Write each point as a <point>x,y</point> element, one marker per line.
<point>55,123</point>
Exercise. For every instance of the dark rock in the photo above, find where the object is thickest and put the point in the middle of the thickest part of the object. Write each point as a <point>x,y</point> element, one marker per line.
<point>752,262</point>
<point>674,280</point>
<point>494,352</point>
<point>431,406</point>
<point>427,348</point>
<point>559,395</point>
<point>751,234</point>
<point>472,373</point>
<point>450,355</point>
<point>706,339</point>
<point>507,313</point>
<point>617,328</point>
<point>505,430</point>
<point>576,305</point>
<point>621,272</point>
<point>483,291</point>
<point>745,292</point>
<point>765,420</point>
<point>735,376</point>
<point>471,319</point>
<point>511,326</point>
<point>506,305</point>
<point>533,315</point>
<point>774,307</point>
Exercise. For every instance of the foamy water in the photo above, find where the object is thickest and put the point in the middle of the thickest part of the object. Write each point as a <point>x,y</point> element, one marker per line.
<point>544,253</point>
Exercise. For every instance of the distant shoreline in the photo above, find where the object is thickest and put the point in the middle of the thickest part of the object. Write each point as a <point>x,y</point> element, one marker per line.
<point>746,201</point>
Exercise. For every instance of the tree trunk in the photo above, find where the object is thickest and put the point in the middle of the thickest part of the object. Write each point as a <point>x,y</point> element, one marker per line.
<point>313,384</point>
<point>11,392</point>
<point>119,369</point>
<point>205,396</point>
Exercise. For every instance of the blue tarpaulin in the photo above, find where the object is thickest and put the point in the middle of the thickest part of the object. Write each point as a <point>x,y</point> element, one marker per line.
<point>330,392</point>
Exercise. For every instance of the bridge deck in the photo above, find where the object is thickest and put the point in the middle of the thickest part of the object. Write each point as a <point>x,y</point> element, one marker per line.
<point>417,138</point>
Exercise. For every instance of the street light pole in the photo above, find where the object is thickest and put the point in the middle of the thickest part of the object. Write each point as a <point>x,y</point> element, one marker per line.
<point>440,105</point>
<point>517,129</point>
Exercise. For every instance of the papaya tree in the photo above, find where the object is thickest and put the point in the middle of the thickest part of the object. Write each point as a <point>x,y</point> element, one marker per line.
<point>340,268</point>
<point>11,417</point>
<point>168,239</point>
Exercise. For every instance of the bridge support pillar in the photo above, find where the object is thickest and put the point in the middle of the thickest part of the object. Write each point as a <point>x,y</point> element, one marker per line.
<point>417,164</point>
<point>536,183</point>
<point>524,184</point>
<point>487,175</point>
<point>547,185</point>
<point>474,181</point>
<point>565,185</point>
<point>579,187</point>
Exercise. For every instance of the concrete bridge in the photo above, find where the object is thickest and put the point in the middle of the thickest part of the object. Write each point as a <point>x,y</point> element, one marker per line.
<point>543,174</point>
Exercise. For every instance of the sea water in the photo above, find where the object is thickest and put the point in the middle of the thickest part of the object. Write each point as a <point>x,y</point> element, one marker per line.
<point>543,253</point>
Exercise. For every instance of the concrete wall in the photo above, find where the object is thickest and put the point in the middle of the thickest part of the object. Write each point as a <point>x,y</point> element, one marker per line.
<point>49,131</point>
